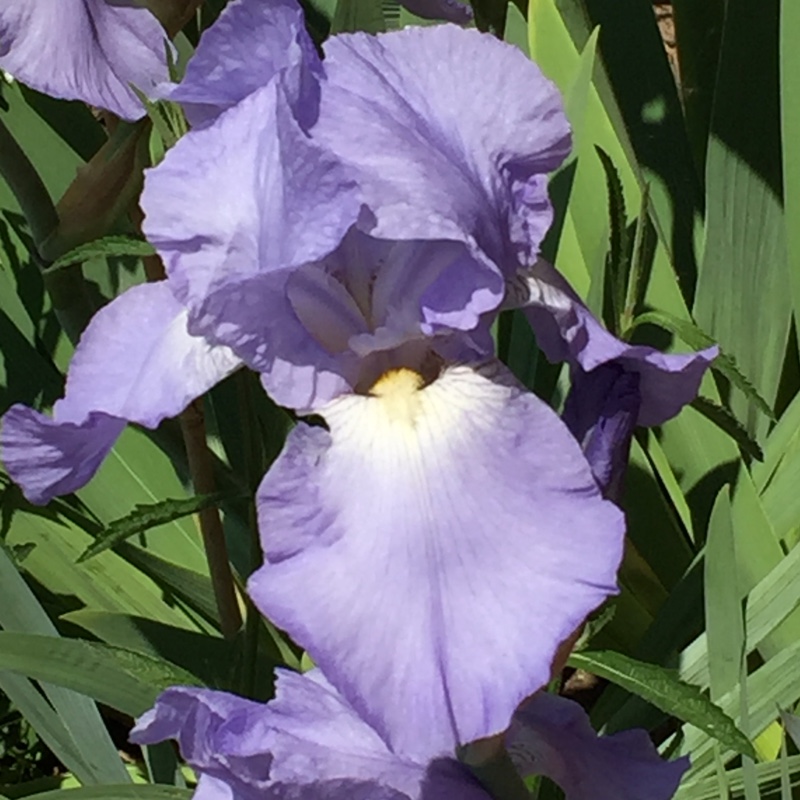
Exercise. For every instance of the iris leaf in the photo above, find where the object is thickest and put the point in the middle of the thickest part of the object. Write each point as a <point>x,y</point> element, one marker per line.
<point>356,15</point>
<point>617,263</point>
<point>743,291</point>
<point>725,421</point>
<point>123,792</point>
<point>666,691</point>
<point>107,247</point>
<point>70,724</point>
<point>724,624</point>
<point>123,679</point>
<point>790,127</point>
<point>792,724</point>
<point>144,517</point>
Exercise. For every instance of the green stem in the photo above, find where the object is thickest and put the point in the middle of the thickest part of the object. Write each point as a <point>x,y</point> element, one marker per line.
<point>66,288</point>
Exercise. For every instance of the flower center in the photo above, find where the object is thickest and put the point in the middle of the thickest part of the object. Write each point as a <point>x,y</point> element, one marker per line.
<point>398,391</point>
<point>400,381</point>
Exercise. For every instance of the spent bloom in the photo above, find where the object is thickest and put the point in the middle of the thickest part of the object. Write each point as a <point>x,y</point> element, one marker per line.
<point>349,229</point>
<point>310,742</point>
<point>90,50</point>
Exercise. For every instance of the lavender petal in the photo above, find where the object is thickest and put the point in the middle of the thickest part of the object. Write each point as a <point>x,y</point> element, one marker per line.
<point>88,50</point>
<point>431,530</point>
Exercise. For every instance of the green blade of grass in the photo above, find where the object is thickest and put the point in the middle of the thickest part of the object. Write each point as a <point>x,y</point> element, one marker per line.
<point>21,611</point>
<point>745,264</point>
<point>122,679</point>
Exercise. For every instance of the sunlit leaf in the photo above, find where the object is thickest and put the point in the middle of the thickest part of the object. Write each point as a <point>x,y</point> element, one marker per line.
<point>665,691</point>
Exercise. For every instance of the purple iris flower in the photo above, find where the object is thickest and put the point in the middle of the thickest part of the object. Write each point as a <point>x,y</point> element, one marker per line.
<point>310,742</point>
<point>90,50</point>
<point>349,229</point>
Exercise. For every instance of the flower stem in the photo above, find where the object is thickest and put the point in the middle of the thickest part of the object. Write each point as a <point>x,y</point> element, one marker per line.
<point>201,471</point>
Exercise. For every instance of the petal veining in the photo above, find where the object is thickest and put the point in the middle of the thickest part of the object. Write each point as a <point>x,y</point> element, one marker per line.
<point>90,50</point>
<point>250,42</point>
<point>135,362</point>
<point>433,539</point>
<point>552,736</point>
<point>451,132</point>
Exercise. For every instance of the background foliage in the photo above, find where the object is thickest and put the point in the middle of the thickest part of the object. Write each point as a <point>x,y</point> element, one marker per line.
<point>678,220</point>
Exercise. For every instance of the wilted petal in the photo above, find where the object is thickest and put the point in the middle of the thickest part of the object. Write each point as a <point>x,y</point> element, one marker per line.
<point>601,410</point>
<point>431,541</point>
<point>306,743</point>
<point>88,50</point>
<point>135,362</point>
<point>449,10</point>
<point>401,109</point>
<point>552,736</point>
<point>242,51</point>
<point>567,331</point>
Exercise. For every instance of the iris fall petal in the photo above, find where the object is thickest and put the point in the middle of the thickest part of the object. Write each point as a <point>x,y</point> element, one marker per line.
<point>552,736</point>
<point>135,362</point>
<point>307,743</point>
<point>567,331</point>
<point>434,539</point>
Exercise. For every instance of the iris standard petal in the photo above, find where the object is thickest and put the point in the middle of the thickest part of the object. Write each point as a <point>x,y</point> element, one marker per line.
<point>434,539</point>
<point>251,41</point>
<point>401,109</point>
<point>381,294</point>
<point>233,209</point>
<point>449,10</point>
<point>306,743</point>
<point>135,362</point>
<point>552,736</point>
<point>567,331</point>
<point>428,286</point>
<point>90,50</point>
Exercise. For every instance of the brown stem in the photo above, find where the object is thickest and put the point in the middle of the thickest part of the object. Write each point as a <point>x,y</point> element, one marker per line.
<point>201,469</point>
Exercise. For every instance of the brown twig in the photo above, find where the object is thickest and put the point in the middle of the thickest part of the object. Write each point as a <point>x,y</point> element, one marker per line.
<point>201,471</point>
